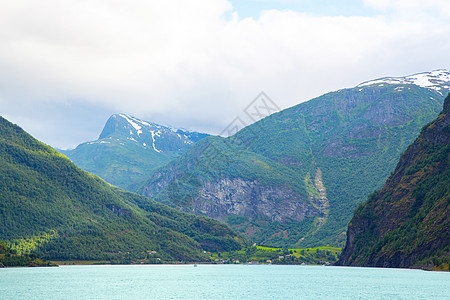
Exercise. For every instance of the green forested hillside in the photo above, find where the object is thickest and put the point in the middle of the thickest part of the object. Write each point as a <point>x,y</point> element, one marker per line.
<point>294,178</point>
<point>407,223</point>
<point>51,207</point>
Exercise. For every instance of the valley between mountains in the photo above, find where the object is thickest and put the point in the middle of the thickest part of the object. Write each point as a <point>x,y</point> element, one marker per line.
<point>291,180</point>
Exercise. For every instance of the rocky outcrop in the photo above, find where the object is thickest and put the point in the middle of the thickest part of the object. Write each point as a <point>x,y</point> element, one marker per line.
<point>250,199</point>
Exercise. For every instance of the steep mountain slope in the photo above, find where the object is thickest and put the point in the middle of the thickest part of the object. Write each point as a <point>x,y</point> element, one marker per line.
<point>128,149</point>
<point>407,223</point>
<point>51,207</point>
<point>323,157</point>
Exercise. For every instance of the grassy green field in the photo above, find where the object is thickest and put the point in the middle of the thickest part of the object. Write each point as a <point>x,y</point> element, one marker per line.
<point>313,250</point>
<point>261,254</point>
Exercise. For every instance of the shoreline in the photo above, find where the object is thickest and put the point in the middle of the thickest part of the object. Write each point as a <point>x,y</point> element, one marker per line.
<point>107,263</point>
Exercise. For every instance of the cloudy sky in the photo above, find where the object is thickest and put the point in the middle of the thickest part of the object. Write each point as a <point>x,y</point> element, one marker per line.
<point>67,65</point>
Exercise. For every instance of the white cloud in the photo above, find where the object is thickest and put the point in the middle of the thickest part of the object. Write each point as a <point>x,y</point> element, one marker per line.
<point>196,63</point>
<point>418,7</point>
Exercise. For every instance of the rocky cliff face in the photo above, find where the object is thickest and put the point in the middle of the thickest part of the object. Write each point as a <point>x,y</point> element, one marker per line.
<point>407,223</point>
<point>248,198</point>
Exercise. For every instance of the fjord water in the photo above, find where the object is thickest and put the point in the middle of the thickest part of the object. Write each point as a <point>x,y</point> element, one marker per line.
<point>221,282</point>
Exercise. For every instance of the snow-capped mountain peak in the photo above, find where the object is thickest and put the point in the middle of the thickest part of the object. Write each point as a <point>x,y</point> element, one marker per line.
<point>152,136</point>
<point>434,80</point>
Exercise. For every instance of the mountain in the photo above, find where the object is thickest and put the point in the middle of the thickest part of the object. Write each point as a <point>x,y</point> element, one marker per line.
<point>50,207</point>
<point>128,149</point>
<point>294,178</point>
<point>407,223</point>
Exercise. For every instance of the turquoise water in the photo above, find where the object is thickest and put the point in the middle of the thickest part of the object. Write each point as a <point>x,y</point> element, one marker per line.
<point>221,282</point>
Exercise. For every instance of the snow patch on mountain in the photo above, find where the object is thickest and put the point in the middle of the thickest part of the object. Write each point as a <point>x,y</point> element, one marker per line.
<point>138,124</point>
<point>434,80</point>
<point>153,139</point>
<point>133,123</point>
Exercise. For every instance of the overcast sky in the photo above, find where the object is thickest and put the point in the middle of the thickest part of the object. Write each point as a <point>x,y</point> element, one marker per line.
<point>67,65</point>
